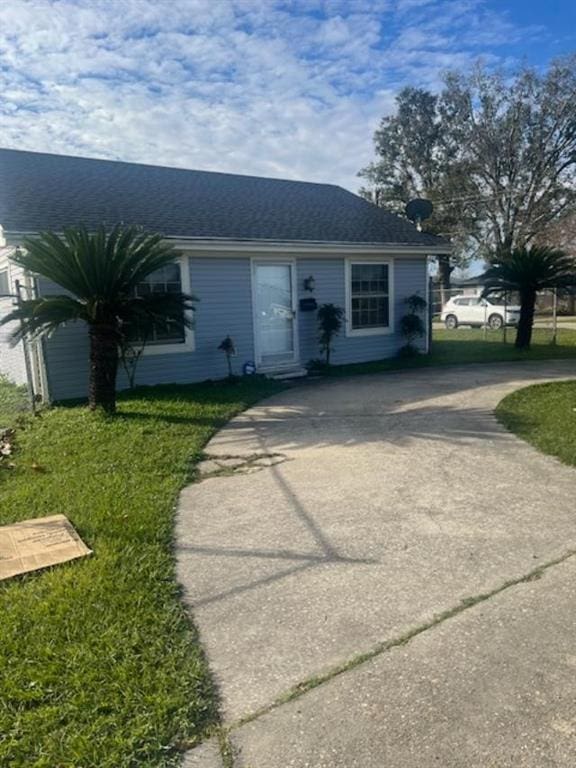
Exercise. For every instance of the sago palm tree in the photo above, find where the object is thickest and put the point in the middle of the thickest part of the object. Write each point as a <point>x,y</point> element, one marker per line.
<point>527,271</point>
<point>100,272</point>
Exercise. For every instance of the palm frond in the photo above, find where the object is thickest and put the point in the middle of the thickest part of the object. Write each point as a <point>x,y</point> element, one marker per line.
<point>159,307</point>
<point>99,265</point>
<point>40,317</point>
<point>532,269</point>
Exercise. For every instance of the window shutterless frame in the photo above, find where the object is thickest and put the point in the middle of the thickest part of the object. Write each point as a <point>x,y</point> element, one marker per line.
<point>374,330</point>
<point>188,345</point>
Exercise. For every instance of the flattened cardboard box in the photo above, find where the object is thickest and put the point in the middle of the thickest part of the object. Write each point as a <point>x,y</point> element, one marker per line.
<point>34,544</point>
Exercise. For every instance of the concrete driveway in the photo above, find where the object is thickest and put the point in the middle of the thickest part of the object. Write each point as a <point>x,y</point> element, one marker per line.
<point>387,557</point>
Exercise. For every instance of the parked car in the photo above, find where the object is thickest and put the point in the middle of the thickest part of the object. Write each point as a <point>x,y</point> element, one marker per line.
<point>476,311</point>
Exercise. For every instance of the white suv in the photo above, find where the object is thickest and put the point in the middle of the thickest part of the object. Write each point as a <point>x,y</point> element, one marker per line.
<point>475,311</point>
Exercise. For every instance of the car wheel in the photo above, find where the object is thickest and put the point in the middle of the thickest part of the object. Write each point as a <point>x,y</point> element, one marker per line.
<point>495,322</point>
<point>451,322</point>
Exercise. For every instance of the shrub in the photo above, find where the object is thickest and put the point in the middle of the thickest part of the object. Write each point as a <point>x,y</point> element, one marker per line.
<point>412,325</point>
<point>330,319</point>
<point>227,346</point>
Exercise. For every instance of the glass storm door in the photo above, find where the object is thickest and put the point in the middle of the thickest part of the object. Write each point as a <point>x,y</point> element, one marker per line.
<point>275,317</point>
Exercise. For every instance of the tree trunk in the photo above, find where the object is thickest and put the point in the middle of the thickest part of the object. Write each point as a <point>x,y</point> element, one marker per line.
<point>524,332</point>
<point>103,367</point>
<point>445,269</point>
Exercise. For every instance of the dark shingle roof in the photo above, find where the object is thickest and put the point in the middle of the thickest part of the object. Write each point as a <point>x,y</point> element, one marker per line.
<point>461,282</point>
<point>48,192</point>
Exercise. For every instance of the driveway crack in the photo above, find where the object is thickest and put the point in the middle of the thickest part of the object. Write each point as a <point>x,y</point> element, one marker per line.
<point>232,464</point>
<point>387,645</point>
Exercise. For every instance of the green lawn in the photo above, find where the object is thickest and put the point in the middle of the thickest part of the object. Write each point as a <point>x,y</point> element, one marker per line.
<point>99,667</point>
<point>13,401</point>
<point>544,415</point>
<point>472,346</point>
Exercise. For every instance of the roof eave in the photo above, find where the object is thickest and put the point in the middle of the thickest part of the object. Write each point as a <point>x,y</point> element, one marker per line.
<point>13,237</point>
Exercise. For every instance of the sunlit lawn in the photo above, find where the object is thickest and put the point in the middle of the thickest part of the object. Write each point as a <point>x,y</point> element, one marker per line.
<point>99,665</point>
<point>544,415</point>
<point>13,400</point>
<point>473,345</point>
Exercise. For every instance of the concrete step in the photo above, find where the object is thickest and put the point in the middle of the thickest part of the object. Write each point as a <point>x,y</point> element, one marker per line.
<point>292,373</point>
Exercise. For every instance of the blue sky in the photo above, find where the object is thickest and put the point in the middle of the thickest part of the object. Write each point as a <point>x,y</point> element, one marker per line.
<point>286,88</point>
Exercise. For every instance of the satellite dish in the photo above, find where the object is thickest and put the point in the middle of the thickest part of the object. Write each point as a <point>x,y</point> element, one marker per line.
<point>418,210</point>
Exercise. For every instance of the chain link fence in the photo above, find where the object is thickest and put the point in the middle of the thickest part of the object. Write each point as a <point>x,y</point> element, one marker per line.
<point>554,310</point>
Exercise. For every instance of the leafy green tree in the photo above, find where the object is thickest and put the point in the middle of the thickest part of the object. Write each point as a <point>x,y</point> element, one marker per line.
<point>527,271</point>
<point>100,272</point>
<point>415,159</point>
<point>495,154</point>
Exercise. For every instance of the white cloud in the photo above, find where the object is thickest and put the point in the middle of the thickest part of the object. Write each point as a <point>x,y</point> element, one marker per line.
<point>273,87</point>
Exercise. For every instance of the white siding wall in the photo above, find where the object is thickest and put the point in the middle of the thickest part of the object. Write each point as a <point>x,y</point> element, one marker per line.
<point>12,362</point>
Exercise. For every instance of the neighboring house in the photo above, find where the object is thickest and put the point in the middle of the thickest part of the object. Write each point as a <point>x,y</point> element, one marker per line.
<point>565,300</point>
<point>251,250</point>
<point>468,286</point>
<point>560,234</point>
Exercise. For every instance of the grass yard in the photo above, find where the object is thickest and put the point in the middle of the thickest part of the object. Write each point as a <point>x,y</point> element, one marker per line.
<point>99,666</point>
<point>472,346</point>
<point>545,416</point>
<point>13,401</point>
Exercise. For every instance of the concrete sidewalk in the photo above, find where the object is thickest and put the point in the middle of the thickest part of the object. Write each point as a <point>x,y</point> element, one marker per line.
<point>390,500</point>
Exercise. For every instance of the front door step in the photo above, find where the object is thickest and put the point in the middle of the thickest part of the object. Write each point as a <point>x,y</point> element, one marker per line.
<point>292,373</point>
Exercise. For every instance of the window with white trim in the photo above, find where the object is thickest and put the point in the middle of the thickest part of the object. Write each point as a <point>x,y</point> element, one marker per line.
<point>168,279</point>
<point>4,284</point>
<point>369,308</point>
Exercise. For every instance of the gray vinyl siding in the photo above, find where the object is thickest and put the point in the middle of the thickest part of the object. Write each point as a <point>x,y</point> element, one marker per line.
<point>410,276</point>
<point>12,361</point>
<point>224,291</point>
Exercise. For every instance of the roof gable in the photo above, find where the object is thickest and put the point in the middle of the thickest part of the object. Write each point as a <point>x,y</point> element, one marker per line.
<point>41,192</point>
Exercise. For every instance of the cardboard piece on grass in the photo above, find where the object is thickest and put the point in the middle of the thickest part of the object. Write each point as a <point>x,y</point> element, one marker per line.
<point>33,544</point>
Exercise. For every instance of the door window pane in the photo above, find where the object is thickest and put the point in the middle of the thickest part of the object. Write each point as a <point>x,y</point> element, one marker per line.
<point>275,315</point>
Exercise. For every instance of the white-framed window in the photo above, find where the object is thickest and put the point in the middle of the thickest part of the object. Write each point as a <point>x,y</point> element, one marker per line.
<point>4,282</point>
<point>168,279</point>
<point>168,337</point>
<point>369,297</point>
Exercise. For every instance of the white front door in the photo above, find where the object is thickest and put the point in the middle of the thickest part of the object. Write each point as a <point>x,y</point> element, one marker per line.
<point>275,313</point>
